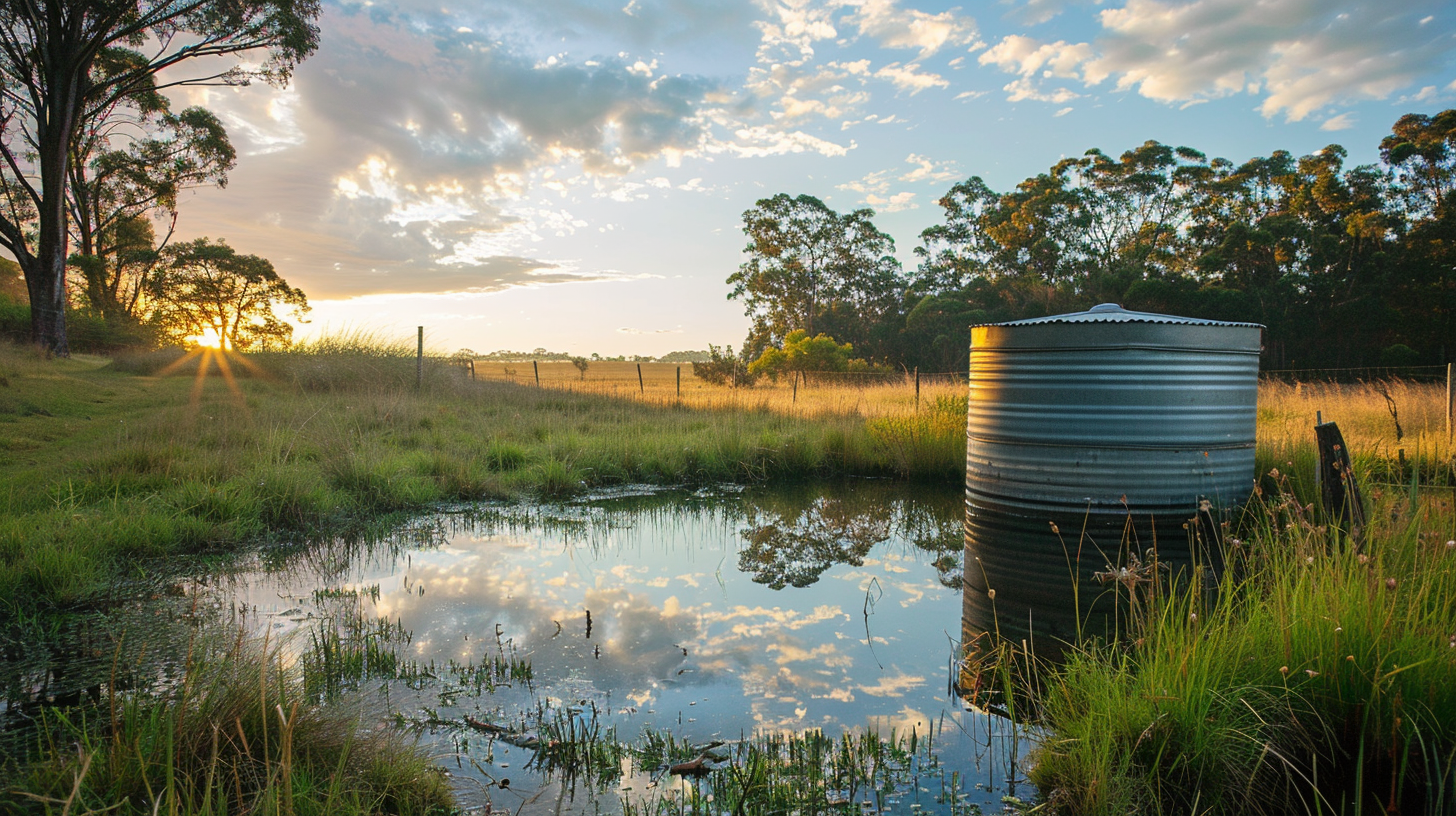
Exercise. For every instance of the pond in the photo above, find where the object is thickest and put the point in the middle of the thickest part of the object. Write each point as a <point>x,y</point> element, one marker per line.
<point>702,617</point>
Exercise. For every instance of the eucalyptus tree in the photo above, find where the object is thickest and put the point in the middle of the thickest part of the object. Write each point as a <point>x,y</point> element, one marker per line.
<point>127,168</point>
<point>815,269</point>
<point>205,287</point>
<point>55,79</point>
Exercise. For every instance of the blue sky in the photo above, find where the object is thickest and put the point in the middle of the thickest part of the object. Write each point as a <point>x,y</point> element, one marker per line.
<point>571,174</point>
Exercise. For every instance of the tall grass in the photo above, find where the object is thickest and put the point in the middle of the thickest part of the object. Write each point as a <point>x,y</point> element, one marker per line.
<point>1319,682</point>
<point>233,732</point>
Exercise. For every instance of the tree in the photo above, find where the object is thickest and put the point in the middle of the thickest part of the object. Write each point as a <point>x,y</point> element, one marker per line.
<point>56,60</point>
<point>206,287</point>
<point>812,268</point>
<point>581,364</point>
<point>802,353</point>
<point>116,192</point>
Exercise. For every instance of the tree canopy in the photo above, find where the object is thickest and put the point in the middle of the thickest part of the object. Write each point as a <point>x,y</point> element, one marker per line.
<point>66,65</point>
<point>1346,266</point>
<point>205,288</point>
<point>813,269</point>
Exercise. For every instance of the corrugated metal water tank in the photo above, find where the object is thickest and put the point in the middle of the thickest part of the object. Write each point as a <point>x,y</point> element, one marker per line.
<point>1078,411</point>
<point>1091,438</point>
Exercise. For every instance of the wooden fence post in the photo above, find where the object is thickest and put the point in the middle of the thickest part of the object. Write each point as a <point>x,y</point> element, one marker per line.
<point>796,388</point>
<point>641,386</point>
<point>1450,398</point>
<point>420,358</point>
<point>1339,492</point>
<point>472,370</point>
<point>536,368</point>
<point>917,388</point>
<point>679,382</point>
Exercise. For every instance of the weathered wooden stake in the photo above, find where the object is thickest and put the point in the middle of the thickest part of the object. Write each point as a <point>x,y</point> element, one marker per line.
<point>1339,492</point>
<point>679,382</point>
<point>917,388</point>
<point>472,369</point>
<point>536,368</point>
<point>641,387</point>
<point>1450,397</point>
<point>796,388</point>
<point>420,359</point>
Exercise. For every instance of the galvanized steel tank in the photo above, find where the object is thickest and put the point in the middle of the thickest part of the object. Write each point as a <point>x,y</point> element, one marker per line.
<point>1109,410</point>
<point>1092,437</point>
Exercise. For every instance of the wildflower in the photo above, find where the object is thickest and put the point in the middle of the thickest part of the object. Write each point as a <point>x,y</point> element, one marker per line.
<point>1274,472</point>
<point>1363,558</point>
<point>991,593</point>
<point>1284,670</point>
<point>1451,545</point>
<point>1309,560</point>
<point>1311,672</point>
<point>1350,658</point>
<point>1339,629</point>
<point>1390,583</point>
<point>1193,616</point>
<point>1055,529</point>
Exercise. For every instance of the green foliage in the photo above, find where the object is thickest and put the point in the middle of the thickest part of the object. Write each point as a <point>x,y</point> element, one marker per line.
<point>80,64</point>
<point>207,286</point>
<point>810,268</point>
<point>1317,682</point>
<point>723,367</point>
<point>800,352</point>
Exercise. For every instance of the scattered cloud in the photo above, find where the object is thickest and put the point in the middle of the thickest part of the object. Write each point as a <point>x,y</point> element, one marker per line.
<point>1021,89</point>
<point>910,77</point>
<point>1300,57</point>
<point>1344,121</point>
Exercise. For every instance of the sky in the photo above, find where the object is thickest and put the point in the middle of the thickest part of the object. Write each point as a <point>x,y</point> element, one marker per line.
<point>571,174</point>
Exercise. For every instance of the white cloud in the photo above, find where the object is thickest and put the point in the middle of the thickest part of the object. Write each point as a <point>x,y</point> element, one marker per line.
<point>894,203</point>
<point>1026,89</point>
<point>1299,56</point>
<point>925,169</point>
<point>910,77</point>
<point>1344,121</point>
<point>1028,57</point>
<point>897,27</point>
<point>1062,112</point>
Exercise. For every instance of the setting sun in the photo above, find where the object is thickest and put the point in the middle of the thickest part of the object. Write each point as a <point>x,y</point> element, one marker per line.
<point>208,339</point>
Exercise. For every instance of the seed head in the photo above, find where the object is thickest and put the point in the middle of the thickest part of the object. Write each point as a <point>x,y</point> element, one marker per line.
<point>1390,583</point>
<point>1363,558</point>
<point>1311,672</point>
<point>1284,670</point>
<point>991,593</point>
<point>1055,529</point>
<point>1451,545</point>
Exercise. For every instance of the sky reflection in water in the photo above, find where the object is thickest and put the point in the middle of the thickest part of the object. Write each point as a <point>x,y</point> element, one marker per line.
<point>717,614</point>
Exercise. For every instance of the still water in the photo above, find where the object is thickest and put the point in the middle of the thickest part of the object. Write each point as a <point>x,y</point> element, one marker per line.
<point>714,615</point>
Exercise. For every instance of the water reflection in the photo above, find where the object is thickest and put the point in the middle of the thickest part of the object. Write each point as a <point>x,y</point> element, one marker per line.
<point>1052,581</point>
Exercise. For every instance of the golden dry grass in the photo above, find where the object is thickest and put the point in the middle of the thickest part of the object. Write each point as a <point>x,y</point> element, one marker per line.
<point>851,395</point>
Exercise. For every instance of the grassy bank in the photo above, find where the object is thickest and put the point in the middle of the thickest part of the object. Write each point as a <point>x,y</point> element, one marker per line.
<point>110,468</point>
<point>1321,681</point>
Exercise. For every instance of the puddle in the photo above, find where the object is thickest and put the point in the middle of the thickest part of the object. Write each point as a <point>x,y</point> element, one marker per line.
<point>712,616</point>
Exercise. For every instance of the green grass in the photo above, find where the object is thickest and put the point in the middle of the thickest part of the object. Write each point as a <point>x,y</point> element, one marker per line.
<point>1321,681</point>
<point>234,733</point>
<point>111,469</point>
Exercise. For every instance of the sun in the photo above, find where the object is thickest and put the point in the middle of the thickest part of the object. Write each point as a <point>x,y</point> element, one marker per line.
<point>208,339</point>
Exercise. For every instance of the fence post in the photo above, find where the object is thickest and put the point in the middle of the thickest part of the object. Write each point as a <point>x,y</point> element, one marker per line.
<point>1450,398</point>
<point>641,387</point>
<point>472,370</point>
<point>679,382</point>
<point>537,369</point>
<point>420,358</point>
<point>917,388</point>
<point>796,388</point>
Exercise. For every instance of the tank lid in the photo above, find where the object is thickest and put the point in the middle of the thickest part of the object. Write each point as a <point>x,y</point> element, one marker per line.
<point>1114,313</point>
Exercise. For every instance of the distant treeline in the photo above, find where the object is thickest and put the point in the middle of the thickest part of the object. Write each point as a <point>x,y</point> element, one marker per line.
<point>1345,266</point>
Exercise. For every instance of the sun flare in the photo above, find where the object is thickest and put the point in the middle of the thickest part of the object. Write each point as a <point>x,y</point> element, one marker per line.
<point>208,339</point>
